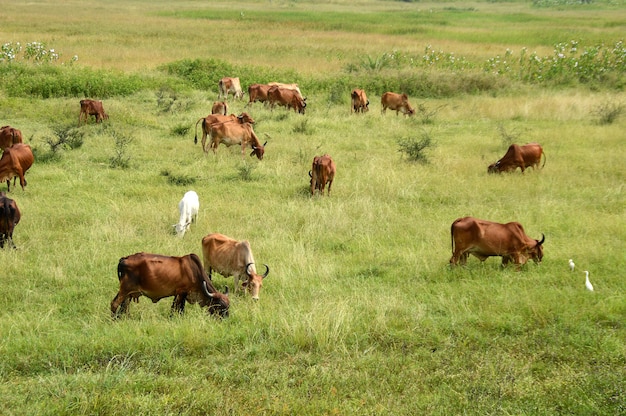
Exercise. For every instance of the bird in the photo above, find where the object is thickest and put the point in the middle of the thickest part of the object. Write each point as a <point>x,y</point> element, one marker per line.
<point>588,284</point>
<point>571,264</point>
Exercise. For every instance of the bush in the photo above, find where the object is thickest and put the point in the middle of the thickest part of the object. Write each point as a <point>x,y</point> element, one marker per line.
<point>414,148</point>
<point>607,113</point>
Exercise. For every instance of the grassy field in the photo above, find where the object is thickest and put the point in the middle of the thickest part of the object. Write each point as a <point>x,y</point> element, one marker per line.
<point>361,313</point>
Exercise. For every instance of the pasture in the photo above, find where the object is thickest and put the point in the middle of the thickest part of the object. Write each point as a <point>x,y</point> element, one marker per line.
<point>361,313</point>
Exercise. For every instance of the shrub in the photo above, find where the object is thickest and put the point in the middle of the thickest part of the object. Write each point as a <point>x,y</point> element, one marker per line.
<point>414,148</point>
<point>120,159</point>
<point>65,137</point>
<point>607,113</point>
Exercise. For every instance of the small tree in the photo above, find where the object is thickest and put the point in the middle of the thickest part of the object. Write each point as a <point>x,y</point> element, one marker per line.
<point>414,148</point>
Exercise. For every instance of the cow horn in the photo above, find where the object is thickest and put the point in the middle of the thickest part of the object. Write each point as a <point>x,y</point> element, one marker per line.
<point>310,174</point>
<point>248,265</point>
<point>264,143</point>
<point>267,270</point>
<point>543,238</point>
<point>206,289</point>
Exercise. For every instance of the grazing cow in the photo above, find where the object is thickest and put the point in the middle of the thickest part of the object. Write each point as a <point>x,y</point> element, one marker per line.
<point>398,102</point>
<point>360,103</point>
<point>485,239</point>
<point>158,277</point>
<point>220,107</point>
<point>519,157</point>
<point>258,92</point>
<point>15,161</point>
<point>228,86</point>
<point>293,87</point>
<point>188,208</point>
<point>9,217</point>
<point>234,258</point>
<point>92,108</point>
<point>230,133</point>
<point>286,98</point>
<point>322,172</point>
<point>9,136</point>
<point>217,118</point>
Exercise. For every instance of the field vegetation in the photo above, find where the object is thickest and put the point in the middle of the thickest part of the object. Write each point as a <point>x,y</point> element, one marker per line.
<point>361,313</point>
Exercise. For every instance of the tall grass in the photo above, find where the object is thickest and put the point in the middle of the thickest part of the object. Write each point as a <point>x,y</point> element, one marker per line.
<point>361,313</point>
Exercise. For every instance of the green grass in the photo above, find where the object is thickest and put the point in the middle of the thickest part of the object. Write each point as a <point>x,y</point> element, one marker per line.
<point>361,313</point>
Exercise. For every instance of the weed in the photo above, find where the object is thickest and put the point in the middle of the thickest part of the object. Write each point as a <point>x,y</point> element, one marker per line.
<point>245,171</point>
<point>507,137</point>
<point>65,137</point>
<point>120,159</point>
<point>414,148</point>
<point>607,113</point>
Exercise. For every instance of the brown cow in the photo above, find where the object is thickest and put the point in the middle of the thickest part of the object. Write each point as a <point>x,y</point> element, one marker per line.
<point>217,118</point>
<point>15,161</point>
<point>293,87</point>
<point>230,257</point>
<point>322,172</point>
<point>485,239</point>
<point>9,217</point>
<point>220,107</point>
<point>92,108</point>
<point>9,136</point>
<point>286,98</point>
<point>158,277</point>
<point>228,86</point>
<point>258,92</point>
<point>230,133</point>
<point>360,103</point>
<point>519,156</point>
<point>398,102</point>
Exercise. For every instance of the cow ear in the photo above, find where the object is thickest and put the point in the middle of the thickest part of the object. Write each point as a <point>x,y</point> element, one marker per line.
<point>226,290</point>
<point>264,143</point>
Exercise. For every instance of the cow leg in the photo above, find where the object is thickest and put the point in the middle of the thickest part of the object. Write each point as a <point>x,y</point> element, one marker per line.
<point>8,185</point>
<point>119,305</point>
<point>330,182</point>
<point>179,304</point>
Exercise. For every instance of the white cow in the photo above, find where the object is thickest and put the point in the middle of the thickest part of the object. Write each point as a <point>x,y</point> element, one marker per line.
<point>188,208</point>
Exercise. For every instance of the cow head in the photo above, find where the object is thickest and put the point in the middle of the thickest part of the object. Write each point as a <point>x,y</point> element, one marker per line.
<point>245,118</point>
<point>218,303</point>
<point>259,151</point>
<point>255,281</point>
<point>536,250</point>
<point>494,167</point>
<point>181,228</point>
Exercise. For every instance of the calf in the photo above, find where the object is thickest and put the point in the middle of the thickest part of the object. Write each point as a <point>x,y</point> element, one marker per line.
<point>15,161</point>
<point>188,208</point>
<point>322,172</point>
<point>360,103</point>
<point>9,217</point>
<point>92,108</point>
<point>157,277</point>
<point>230,257</point>
<point>398,102</point>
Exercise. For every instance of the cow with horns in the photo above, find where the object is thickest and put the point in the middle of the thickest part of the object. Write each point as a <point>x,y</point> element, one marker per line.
<point>521,157</point>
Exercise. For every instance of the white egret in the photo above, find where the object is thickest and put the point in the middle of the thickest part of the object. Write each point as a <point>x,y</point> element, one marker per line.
<point>571,264</point>
<point>588,284</point>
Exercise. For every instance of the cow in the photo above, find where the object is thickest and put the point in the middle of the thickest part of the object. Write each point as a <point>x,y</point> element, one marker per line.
<point>14,163</point>
<point>484,239</point>
<point>156,277</point>
<point>360,103</point>
<point>398,102</point>
<point>220,107</point>
<point>286,98</point>
<point>228,86</point>
<point>230,133</point>
<point>9,217</point>
<point>322,172</point>
<point>293,87</point>
<point>258,92</point>
<point>92,108</point>
<point>188,208</point>
<point>519,157</point>
<point>217,118</point>
<point>9,136</point>
<point>230,257</point>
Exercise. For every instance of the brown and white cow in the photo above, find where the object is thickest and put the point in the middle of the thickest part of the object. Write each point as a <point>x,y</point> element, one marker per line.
<point>286,98</point>
<point>230,133</point>
<point>9,136</point>
<point>519,157</point>
<point>258,92</point>
<point>322,172</point>
<point>483,239</point>
<point>15,161</point>
<point>218,118</point>
<point>360,103</point>
<point>228,85</point>
<point>220,107</point>
<point>397,102</point>
<point>156,277</point>
<point>92,108</point>
<point>9,217</point>
<point>230,257</point>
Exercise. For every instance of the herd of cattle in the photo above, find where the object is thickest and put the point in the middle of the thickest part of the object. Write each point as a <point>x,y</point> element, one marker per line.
<point>186,278</point>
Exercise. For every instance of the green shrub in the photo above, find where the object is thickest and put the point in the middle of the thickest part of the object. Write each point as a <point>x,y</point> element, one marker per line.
<point>415,148</point>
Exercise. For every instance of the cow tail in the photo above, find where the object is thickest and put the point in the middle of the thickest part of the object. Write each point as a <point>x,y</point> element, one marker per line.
<point>452,236</point>
<point>544,158</point>
<point>121,268</point>
<point>195,137</point>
